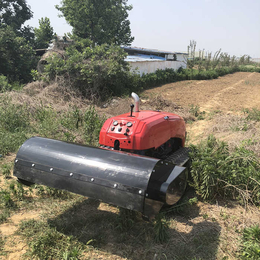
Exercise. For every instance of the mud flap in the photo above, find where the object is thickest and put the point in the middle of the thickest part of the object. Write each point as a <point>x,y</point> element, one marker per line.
<point>131,181</point>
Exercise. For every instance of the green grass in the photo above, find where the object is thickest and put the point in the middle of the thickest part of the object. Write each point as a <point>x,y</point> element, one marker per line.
<point>251,243</point>
<point>216,171</point>
<point>48,243</point>
<point>6,169</point>
<point>19,122</point>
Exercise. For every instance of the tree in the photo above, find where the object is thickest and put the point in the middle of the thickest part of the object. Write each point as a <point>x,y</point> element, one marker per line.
<point>14,13</point>
<point>16,41</point>
<point>101,21</point>
<point>43,34</point>
<point>16,56</point>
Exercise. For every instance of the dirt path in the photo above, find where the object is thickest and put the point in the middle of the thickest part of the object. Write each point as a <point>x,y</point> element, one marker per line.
<point>229,93</point>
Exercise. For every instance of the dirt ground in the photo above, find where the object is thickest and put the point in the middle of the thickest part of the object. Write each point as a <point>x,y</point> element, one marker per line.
<point>223,99</point>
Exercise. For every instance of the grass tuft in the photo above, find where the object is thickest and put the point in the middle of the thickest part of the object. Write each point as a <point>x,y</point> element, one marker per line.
<point>251,243</point>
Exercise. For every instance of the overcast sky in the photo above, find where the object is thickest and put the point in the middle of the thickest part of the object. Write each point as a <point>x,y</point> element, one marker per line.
<point>232,25</point>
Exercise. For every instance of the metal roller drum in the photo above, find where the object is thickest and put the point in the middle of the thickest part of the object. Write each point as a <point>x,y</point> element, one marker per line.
<point>127,180</point>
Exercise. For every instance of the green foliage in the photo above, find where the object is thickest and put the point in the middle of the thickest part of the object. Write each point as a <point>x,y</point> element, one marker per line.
<point>92,124</point>
<point>45,191</point>
<point>217,171</point>
<point>96,72</point>
<point>251,243</point>
<point>6,170</point>
<point>4,84</point>
<point>47,243</point>
<point>161,229</point>
<point>14,13</point>
<point>13,118</point>
<point>16,55</point>
<point>6,200</point>
<point>195,111</point>
<point>17,190</point>
<point>10,142</point>
<point>14,123</point>
<point>100,21</point>
<point>43,34</point>
<point>19,122</point>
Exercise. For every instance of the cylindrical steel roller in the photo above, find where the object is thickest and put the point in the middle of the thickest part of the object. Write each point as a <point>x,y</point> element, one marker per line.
<point>131,181</point>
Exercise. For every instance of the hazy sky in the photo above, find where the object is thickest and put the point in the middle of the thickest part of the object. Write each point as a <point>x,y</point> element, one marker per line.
<point>232,25</point>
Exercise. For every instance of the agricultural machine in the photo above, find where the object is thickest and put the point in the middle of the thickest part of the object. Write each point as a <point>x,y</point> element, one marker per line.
<point>140,164</point>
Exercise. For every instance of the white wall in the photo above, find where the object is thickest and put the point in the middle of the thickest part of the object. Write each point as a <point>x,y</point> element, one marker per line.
<point>144,67</point>
<point>180,57</point>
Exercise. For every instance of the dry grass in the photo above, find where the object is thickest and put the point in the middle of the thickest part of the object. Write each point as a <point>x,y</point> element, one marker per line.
<point>58,97</point>
<point>236,130</point>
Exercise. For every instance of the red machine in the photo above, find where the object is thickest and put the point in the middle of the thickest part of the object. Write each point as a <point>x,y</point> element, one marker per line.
<point>140,164</point>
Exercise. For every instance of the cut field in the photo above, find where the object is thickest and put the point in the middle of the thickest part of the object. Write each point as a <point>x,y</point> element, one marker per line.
<point>44,224</point>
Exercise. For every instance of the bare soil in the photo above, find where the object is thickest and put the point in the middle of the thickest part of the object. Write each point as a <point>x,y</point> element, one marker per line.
<point>223,100</point>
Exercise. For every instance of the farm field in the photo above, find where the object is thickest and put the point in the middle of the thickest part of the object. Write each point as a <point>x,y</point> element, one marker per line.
<point>80,228</point>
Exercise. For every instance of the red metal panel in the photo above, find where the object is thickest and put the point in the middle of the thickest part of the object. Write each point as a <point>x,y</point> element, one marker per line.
<point>149,129</point>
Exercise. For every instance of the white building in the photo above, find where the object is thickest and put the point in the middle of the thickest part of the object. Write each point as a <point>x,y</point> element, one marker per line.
<point>145,61</point>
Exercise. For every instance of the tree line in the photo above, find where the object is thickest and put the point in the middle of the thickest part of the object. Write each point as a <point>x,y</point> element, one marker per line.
<point>94,23</point>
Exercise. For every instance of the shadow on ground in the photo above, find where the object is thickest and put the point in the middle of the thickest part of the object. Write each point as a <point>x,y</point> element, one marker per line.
<point>133,238</point>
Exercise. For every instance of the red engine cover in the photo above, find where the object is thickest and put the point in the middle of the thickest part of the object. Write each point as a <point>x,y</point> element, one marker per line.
<point>144,130</point>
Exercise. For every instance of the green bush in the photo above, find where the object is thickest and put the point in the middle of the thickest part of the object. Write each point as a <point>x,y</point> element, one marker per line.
<point>216,171</point>
<point>96,72</point>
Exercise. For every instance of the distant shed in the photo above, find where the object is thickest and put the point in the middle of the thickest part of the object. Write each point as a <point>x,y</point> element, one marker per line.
<point>145,61</point>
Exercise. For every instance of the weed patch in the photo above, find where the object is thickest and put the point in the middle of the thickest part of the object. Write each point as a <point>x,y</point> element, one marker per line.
<point>195,111</point>
<point>251,243</point>
<point>217,171</point>
<point>5,200</point>
<point>6,170</point>
<point>252,114</point>
<point>161,229</point>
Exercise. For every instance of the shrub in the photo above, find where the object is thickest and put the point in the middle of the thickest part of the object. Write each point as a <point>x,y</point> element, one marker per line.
<point>96,72</point>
